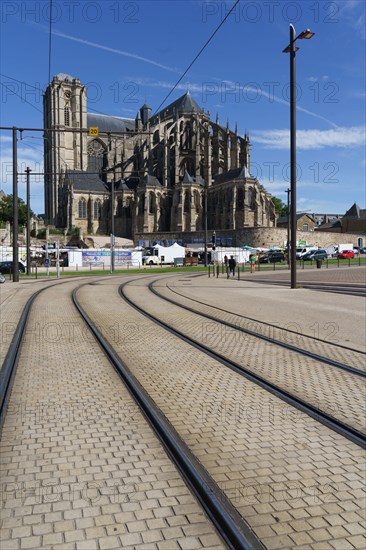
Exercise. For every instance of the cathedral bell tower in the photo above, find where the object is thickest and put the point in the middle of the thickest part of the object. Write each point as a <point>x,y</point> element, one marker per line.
<point>64,107</point>
<point>145,112</point>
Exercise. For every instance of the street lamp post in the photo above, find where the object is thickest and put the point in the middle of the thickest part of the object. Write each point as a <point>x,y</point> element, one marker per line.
<point>206,223</point>
<point>28,171</point>
<point>15,210</point>
<point>291,49</point>
<point>288,191</point>
<point>113,184</point>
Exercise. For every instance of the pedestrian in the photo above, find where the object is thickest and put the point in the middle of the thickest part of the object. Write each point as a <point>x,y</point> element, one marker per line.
<point>226,260</point>
<point>232,265</point>
<point>252,259</point>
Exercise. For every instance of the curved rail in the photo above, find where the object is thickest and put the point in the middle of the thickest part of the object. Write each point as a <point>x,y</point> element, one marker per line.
<point>268,339</point>
<point>8,369</point>
<point>309,336</point>
<point>347,431</point>
<point>348,289</point>
<point>229,523</point>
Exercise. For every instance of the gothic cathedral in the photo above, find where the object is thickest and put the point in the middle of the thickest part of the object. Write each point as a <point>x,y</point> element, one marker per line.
<point>161,167</point>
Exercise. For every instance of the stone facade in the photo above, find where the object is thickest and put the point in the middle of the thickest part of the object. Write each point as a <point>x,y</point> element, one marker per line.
<point>160,166</point>
<point>265,237</point>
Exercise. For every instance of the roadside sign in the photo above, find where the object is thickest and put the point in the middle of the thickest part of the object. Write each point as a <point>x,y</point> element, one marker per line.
<point>47,262</point>
<point>93,131</point>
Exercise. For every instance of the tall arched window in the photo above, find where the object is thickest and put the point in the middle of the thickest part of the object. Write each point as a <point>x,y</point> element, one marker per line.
<point>97,210</point>
<point>187,202</point>
<point>151,203</point>
<point>251,198</point>
<point>67,116</point>
<point>97,156</point>
<point>82,208</point>
<point>119,207</point>
<point>240,198</point>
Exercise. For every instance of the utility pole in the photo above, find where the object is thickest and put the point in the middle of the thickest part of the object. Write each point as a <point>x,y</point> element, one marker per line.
<point>28,171</point>
<point>112,218</point>
<point>288,191</point>
<point>206,223</point>
<point>15,210</point>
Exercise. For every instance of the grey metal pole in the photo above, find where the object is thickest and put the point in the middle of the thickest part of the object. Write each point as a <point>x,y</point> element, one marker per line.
<point>206,223</point>
<point>288,191</point>
<point>15,209</point>
<point>28,171</point>
<point>112,219</point>
<point>293,154</point>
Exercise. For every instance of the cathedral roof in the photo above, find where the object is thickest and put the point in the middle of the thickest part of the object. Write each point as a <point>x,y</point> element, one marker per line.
<point>112,124</point>
<point>184,104</point>
<point>187,178</point>
<point>236,173</point>
<point>150,180</point>
<point>85,181</point>
<point>64,76</point>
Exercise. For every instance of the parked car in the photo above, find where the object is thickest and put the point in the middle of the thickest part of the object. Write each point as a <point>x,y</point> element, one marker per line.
<point>272,257</point>
<point>300,251</point>
<point>7,267</point>
<point>346,254</point>
<point>2,279</point>
<point>315,255</point>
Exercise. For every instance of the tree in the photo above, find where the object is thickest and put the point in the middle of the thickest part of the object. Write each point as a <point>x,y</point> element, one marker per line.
<point>6,210</point>
<point>280,207</point>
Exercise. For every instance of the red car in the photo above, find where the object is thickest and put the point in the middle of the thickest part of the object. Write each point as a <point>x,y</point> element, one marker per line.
<point>346,254</point>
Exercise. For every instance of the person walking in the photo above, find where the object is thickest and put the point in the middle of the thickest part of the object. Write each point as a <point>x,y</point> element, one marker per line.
<point>232,265</point>
<point>252,259</point>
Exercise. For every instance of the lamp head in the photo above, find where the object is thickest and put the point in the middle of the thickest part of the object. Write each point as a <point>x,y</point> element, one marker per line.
<point>307,34</point>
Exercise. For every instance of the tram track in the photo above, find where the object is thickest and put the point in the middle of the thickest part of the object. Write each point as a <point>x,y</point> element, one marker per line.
<point>231,527</point>
<point>348,289</point>
<point>348,431</point>
<point>277,342</point>
<point>183,383</point>
<point>214,487</point>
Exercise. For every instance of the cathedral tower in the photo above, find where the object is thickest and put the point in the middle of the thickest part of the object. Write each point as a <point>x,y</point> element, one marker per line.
<point>64,107</point>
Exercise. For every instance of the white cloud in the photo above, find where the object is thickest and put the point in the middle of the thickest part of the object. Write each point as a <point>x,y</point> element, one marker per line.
<point>108,49</point>
<point>342,137</point>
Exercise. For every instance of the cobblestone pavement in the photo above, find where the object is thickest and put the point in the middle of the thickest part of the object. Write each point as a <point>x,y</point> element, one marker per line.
<point>81,468</point>
<point>290,334</point>
<point>297,483</point>
<point>353,274</point>
<point>13,297</point>
<point>332,317</point>
<point>332,390</point>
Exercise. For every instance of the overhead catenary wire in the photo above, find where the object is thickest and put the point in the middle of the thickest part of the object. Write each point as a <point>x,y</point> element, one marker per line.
<point>197,56</point>
<point>50,44</point>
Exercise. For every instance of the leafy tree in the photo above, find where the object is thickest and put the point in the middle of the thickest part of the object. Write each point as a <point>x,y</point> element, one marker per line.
<point>6,210</point>
<point>280,207</point>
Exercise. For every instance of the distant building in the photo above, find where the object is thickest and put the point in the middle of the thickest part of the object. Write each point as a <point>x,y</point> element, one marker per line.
<point>320,219</point>
<point>159,164</point>
<point>353,221</point>
<point>304,222</point>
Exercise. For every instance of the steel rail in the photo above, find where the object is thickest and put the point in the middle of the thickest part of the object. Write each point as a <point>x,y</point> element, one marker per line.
<point>10,363</point>
<point>8,370</point>
<point>348,290</point>
<point>309,336</point>
<point>230,524</point>
<point>268,339</point>
<point>329,421</point>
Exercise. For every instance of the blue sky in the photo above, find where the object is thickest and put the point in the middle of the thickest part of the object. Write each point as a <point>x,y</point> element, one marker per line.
<point>129,52</point>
